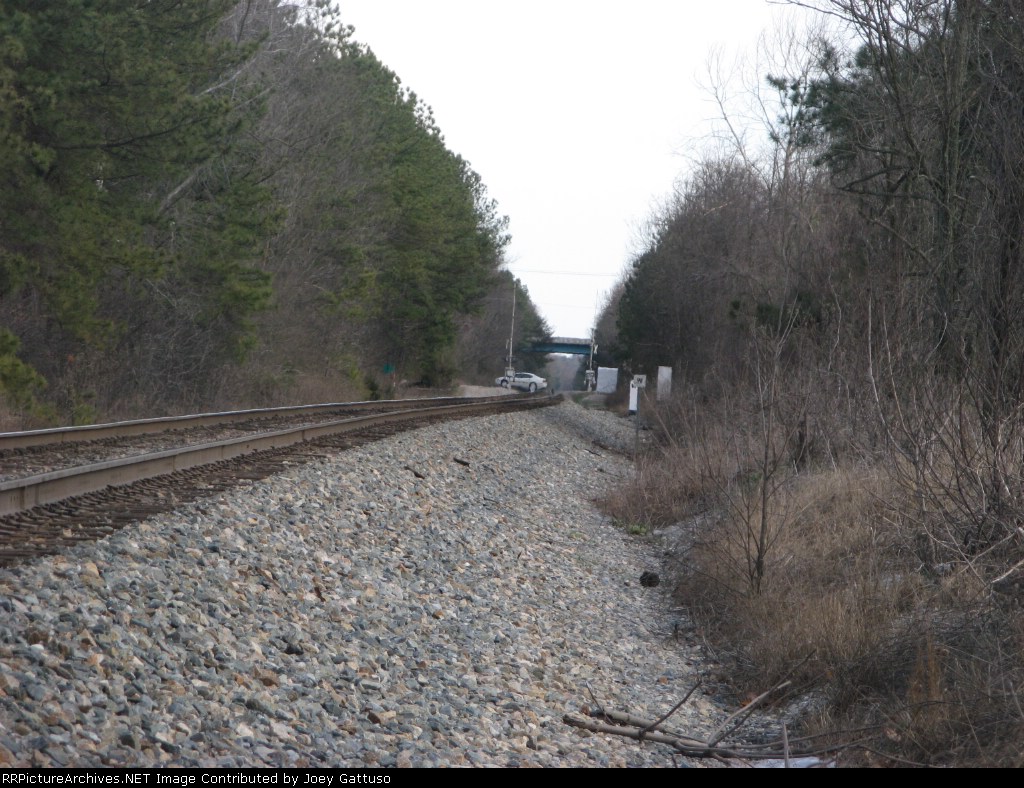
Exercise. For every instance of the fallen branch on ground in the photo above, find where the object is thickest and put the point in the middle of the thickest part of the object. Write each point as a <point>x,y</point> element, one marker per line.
<point>619,723</point>
<point>687,745</point>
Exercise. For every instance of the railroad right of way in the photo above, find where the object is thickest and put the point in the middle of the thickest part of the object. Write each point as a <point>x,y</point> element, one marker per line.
<point>438,598</point>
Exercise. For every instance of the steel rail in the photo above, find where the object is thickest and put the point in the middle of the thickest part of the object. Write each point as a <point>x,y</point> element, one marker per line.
<point>18,495</point>
<point>119,429</point>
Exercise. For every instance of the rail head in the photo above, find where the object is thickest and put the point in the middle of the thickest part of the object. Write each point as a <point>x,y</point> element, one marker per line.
<point>19,495</point>
<point>52,436</point>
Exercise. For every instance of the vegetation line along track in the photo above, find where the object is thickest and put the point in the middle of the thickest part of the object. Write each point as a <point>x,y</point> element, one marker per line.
<point>42,512</point>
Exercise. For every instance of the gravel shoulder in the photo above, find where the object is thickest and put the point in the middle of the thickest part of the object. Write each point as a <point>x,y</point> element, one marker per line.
<point>439,598</point>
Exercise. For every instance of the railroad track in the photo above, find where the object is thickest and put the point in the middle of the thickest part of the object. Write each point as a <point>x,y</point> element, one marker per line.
<point>41,451</point>
<point>122,479</point>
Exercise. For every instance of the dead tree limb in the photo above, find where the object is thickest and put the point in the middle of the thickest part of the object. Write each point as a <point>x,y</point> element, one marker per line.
<point>691,748</point>
<point>735,720</point>
<point>673,710</point>
<point>619,723</point>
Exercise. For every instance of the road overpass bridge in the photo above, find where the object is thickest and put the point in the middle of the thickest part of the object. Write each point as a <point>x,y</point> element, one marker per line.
<point>574,347</point>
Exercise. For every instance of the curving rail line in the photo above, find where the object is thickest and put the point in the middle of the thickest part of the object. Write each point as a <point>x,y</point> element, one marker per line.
<point>32,439</point>
<point>40,513</point>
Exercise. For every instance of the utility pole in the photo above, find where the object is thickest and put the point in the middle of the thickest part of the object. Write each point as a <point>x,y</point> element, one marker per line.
<point>589,377</point>
<point>509,369</point>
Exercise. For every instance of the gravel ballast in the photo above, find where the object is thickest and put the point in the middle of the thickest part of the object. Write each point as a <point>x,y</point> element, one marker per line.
<point>438,598</point>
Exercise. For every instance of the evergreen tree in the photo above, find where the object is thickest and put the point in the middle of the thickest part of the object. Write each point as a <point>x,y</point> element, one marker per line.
<point>111,126</point>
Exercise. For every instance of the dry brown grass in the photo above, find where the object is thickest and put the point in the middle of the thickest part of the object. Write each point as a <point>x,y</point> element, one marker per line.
<point>247,388</point>
<point>663,490</point>
<point>830,590</point>
<point>848,609</point>
<point>12,421</point>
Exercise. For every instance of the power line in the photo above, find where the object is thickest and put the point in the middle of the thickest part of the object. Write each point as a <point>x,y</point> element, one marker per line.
<point>564,306</point>
<point>557,273</point>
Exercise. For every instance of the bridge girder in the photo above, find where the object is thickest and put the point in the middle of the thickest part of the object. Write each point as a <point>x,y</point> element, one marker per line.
<point>573,347</point>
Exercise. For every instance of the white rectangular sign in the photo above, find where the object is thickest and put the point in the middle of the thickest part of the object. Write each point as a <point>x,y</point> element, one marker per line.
<point>607,380</point>
<point>664,383</point>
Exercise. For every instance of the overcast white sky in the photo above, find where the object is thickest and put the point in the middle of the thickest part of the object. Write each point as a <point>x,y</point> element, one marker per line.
<point>578,115</point>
